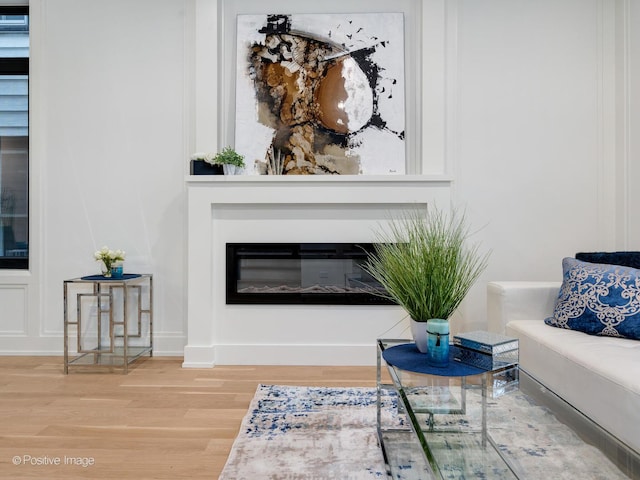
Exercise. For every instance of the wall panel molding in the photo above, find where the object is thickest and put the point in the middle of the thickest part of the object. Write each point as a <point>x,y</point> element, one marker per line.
<point>15,309</point>
<point>624,108</point>
<point>607,121</point>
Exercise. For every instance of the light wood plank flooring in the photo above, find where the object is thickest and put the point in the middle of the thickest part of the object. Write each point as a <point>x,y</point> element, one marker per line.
<point>158,422</point>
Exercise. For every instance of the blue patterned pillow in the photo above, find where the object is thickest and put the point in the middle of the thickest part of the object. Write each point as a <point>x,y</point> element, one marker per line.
<point>598,299</point>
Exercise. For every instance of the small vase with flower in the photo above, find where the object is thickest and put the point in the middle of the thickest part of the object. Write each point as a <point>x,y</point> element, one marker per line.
<point>111,262</point>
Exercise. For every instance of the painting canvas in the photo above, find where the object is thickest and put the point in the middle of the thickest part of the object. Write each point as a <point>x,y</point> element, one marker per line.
<point>321,93</point>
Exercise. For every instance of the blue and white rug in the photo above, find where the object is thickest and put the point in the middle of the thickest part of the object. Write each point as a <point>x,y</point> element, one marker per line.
<point>307,433</point>
<point>320,433</point>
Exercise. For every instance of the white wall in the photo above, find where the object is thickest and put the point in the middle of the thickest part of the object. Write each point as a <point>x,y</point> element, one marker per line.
<point>108,146</point>
<point>535,154</point>
<point>539,130</point>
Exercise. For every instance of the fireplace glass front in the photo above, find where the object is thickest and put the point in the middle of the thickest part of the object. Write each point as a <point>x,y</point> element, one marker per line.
<point>301,273</point>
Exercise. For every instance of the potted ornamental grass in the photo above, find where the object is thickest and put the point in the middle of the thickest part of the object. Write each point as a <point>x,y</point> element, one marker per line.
<point>426,265</point>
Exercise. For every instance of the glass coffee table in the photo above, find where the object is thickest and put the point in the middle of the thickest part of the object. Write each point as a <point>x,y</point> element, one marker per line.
<point>462,422</point>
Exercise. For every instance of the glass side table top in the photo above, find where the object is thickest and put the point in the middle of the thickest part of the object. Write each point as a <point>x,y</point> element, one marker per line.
<point>498,424</point>
<point>126,278</point>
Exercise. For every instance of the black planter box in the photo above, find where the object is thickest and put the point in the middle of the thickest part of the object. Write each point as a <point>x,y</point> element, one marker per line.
<point>200,167</point>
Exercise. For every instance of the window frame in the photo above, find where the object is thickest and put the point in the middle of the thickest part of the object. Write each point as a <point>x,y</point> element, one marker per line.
<point>18,66</point>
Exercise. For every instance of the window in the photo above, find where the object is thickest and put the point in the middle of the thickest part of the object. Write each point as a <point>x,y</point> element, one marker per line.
<point>14,137</point>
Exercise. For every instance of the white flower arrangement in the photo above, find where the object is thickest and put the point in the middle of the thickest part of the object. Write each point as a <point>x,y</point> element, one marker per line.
<point>109,257</point>
<point>207,157</point>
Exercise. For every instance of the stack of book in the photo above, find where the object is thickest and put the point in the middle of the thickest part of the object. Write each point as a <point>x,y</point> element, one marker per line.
<point>486,350</point>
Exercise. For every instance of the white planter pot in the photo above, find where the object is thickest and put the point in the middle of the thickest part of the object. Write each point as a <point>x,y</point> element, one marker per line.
<point>231,169</point>
<point>419,332</point>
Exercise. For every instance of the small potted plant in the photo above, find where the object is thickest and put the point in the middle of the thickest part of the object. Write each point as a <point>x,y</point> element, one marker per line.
<point>232,162</point>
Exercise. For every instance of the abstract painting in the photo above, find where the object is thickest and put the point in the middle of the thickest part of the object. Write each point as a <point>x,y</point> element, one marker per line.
<point>321,93</point>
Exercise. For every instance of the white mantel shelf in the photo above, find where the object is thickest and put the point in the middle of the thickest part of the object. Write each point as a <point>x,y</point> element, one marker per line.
<point>205,190</point>
<point>321,179</point>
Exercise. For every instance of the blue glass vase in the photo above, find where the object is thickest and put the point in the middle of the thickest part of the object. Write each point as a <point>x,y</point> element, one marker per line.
<point>117,270</point>
<point>438,342</point>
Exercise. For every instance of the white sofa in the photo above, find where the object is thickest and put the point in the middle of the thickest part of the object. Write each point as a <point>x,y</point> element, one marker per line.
<point>600,376</point>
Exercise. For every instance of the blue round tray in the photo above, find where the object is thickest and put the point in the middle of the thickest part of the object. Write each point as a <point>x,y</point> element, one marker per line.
<point>102,278</point>
<point>408,357</point>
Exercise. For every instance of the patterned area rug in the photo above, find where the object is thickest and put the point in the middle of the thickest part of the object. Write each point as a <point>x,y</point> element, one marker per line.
<point>318,433</point>
<point>307,433</point>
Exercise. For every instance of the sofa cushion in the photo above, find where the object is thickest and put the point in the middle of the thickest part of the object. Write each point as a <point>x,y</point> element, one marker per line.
<point>627,259</point>
<point>600,376</point>
<point>598,299</point>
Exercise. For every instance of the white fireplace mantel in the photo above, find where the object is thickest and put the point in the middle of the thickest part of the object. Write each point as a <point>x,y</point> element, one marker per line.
<point>242,188</point>
<point>247,208</point>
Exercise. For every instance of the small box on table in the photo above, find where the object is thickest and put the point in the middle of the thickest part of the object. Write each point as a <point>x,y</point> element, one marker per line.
<point>486,350</point>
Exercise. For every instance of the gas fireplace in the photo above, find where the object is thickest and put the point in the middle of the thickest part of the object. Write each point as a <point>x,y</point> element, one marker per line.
<point>300,273</point>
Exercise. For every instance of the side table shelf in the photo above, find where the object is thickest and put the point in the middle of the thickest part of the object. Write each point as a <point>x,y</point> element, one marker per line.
<point>112,323</point>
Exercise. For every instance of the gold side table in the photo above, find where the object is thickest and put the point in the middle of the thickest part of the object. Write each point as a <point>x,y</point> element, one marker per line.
<point>113,320</point>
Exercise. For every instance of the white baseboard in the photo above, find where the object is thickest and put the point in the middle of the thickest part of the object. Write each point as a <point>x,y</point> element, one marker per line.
<point>347,355</point>
<point>199,357</point>
<point>164,345</point>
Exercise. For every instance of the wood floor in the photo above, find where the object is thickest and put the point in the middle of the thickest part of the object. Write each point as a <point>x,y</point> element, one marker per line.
<point>158,422</point>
